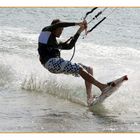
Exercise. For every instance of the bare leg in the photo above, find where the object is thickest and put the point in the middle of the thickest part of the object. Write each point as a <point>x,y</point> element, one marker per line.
<point>90,79</point>
<point>89,85</point>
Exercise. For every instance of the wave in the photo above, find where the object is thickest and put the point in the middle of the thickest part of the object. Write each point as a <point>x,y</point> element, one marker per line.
<point>56,88</point>
<point>18,41</point>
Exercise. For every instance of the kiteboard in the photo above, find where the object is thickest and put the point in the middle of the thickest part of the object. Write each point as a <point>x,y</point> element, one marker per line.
<point>113,86</point>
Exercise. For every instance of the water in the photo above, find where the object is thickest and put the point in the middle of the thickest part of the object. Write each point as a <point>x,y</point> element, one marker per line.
<point>34,100</point>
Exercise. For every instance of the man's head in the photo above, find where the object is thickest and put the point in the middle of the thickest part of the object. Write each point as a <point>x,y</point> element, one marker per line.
<point>58,31</point>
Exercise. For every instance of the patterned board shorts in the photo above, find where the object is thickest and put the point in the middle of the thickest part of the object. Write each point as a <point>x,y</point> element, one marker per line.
<point>59,65</point>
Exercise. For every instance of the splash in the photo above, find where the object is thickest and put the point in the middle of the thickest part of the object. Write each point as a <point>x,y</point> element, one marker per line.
<point>53,87</point>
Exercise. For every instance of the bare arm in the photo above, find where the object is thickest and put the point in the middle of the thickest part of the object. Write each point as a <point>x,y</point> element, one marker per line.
<point>59,25</point>
<point>71,44</point>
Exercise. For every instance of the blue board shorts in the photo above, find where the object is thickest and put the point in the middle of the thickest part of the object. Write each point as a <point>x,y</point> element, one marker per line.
<point>59,65</point>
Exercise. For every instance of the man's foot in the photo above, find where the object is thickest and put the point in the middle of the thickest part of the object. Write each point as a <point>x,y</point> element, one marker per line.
<point>90,100</point>
<point>111,84</point>
<point>103,87</point>
<point>106,89</point>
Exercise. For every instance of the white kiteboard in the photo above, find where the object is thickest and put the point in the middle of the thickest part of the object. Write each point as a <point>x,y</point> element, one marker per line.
<point>113,87</point>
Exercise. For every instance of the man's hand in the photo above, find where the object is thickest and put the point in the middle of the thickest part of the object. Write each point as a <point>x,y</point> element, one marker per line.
<point>83,26</point>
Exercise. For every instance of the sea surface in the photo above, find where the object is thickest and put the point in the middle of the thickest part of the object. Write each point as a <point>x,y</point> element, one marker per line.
<point>34,100</point>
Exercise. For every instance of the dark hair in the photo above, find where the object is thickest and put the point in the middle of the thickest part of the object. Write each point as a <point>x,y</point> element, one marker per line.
<point>55,21</point>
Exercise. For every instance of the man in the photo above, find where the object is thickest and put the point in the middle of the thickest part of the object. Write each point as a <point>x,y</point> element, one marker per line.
<point>50,55</point>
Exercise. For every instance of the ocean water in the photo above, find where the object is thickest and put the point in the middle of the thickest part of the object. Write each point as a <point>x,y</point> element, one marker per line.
<point>34,100</point>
